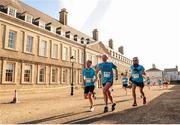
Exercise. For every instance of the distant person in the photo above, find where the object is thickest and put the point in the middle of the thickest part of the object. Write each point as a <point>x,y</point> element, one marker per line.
<point>160,82</point>
<point>99,81</point>
<point>148,81</point>
<point>124,81</point>
<point>89,78</point>
<point>137,73</point>
<point>106,69</point>
<point>165,84</point>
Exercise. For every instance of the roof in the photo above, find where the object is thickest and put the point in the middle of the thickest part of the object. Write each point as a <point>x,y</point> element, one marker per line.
<point>171,70</point>
<point>22,7</point>
<point>113,50</point>
<point>153,69</point>
<point>94,44</point>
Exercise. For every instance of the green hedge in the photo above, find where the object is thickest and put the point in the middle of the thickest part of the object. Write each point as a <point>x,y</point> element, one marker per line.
<point>175,82</point>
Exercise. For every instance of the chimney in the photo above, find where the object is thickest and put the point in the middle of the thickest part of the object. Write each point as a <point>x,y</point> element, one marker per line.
<point>95,34</point>
<point>63,16</point>
<point>153,66</point>
<point>111,43</point>
<point>121,50</point>
<point>177,67</point>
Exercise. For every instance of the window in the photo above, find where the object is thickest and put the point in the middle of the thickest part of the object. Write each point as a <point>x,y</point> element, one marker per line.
<point>65,53</point>
<point>80,77</point>
<point>42,74</point>
<point>29,44</point>
<point>64,75</point>
<point>12,39</point>
<point>12,12</point>
<point>29,18</point>
<point>43,48</point>
<point>53,29</point>
<point>81,57</point>
<point>55,51</point>
<point>54,74</point>
<point>82,40</point>
<point>68,34</point>
<point>27,73</point>
<point>42,24</point>
<point>74,54</point>
<point>10,72</point>
<point>89,56</point>
<point>75,37</point>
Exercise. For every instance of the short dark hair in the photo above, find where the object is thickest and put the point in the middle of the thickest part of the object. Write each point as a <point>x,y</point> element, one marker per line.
<point>89,61</point>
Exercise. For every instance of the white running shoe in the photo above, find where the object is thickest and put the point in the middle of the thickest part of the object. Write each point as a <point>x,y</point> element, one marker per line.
<point>92,109</point>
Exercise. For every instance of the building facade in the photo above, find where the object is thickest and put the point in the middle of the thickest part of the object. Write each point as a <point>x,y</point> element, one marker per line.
<point>154,74</point>
<point>35,49</point>
<point>172,74</point>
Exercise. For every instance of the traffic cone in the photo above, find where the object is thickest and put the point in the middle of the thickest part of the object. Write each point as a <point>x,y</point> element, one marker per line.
<point>15,98</point>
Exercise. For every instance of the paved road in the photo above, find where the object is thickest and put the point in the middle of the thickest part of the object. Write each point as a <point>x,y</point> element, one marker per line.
<point>58,107</point>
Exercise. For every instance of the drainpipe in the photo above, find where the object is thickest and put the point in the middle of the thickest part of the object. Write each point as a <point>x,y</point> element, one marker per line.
<point>85,47</point>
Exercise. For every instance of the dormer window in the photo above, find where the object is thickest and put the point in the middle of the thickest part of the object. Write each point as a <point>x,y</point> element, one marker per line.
<point>68,33</point>
<point>28,18</point>
<point>87,41</point>
<point>75,37</point>
<point>42,24</point>
<point>82,40</point>
<point>58,30</point>
<point>53,29</point>
<point>12,11</point>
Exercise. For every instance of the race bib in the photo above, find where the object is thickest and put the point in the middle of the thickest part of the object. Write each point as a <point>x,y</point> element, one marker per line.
<point>135,76</point>
<point>124,80</point>
<point>88,80</point>
<point>107,74</point>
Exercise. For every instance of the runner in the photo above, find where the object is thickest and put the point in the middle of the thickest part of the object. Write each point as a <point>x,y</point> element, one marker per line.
<point>165,84</point>
<point>124,81</point>
<point>148,82</point>
<point>106,69</point>
<point>137,73</point>
<point>160,82</point>
<point>89,83</point>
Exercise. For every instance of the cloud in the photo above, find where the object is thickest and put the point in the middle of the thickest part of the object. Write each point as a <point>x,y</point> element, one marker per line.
<point>96,15</point>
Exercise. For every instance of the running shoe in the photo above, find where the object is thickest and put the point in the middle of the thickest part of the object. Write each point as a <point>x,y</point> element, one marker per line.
<point>135,104</point>
<point>91,109</point>
<point>113,106</point>
<point>105,109</point>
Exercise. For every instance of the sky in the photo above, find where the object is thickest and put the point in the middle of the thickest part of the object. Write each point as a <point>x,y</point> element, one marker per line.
<point>149,29</point>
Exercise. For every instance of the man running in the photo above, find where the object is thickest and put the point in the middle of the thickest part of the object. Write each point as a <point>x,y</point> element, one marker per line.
<point>89,83</point>
<point>137,73</point>
<point>106,69</point>
<point>124,81</point>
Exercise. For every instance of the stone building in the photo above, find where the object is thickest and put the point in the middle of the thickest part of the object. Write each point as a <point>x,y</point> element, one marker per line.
<point>154,74</point>
<point>35,49</point>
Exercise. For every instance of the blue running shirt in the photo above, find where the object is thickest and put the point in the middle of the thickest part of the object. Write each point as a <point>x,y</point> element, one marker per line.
<point>136,73</point>
<point>106,71</point>
<point>89,75</point>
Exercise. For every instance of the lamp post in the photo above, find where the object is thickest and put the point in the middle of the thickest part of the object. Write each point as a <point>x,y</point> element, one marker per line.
<point>72,87</point>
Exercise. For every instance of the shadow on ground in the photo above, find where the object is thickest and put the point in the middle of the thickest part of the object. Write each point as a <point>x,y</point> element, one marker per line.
<point>163,109</point>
